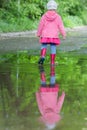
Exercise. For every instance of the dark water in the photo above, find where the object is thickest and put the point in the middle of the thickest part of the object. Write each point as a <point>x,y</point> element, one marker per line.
<point>21,78</point>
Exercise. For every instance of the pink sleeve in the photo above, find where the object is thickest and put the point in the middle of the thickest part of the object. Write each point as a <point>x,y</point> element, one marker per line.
<point>60,102</point>
<point>39,102</point>
<point>61,27</point>
<point>40,27</point>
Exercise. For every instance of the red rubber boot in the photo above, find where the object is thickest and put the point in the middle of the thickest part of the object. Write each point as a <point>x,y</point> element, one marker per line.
<point>52,71</point>
<point>43,53</point>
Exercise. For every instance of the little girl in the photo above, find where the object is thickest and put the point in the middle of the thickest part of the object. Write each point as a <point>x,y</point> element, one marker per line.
<point>48,30</point>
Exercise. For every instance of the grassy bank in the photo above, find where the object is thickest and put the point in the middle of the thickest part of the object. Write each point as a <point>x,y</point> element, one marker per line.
<point>27,24</point>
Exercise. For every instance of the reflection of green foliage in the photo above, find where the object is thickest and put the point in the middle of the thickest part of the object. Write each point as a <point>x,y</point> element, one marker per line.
<point>71,74</point>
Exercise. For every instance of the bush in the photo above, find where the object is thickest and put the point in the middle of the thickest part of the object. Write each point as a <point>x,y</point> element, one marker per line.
<point>72,21</point>
<point>83,16</point>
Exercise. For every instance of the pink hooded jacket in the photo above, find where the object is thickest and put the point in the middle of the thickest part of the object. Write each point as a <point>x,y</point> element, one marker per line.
<point>51,25</point>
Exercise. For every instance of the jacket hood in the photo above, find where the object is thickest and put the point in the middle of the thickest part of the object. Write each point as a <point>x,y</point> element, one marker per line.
<point>50,118</point>
<point>50,15</point>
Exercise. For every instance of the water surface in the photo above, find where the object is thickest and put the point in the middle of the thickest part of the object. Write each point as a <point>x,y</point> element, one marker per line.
<point>20,79</point>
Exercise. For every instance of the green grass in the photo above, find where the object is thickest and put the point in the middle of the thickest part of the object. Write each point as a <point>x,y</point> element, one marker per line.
<point>23,24</point>
<point>20,25</point>
<point>72,21</point>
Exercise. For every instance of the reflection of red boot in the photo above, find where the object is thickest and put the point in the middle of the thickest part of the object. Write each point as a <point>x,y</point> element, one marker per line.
<point>43,81</point>
<point>52,70</point>
<point>52,59</point>
<point>52,76</point>
<point>43,77</point>
<point>43,53</point>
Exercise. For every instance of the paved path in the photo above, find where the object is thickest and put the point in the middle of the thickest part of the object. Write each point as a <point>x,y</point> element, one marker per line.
<point>76,40</point>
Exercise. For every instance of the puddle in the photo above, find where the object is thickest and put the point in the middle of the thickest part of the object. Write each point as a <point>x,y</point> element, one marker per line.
<point>72,43</point>
<point>21,79</point>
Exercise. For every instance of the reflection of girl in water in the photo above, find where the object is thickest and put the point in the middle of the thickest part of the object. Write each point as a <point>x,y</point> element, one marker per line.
<point>48,101</point>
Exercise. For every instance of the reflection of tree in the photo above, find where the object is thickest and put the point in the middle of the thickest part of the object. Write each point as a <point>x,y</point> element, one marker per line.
<point>6,92</point>
<point>5,81</point>
<point>6,88</point>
